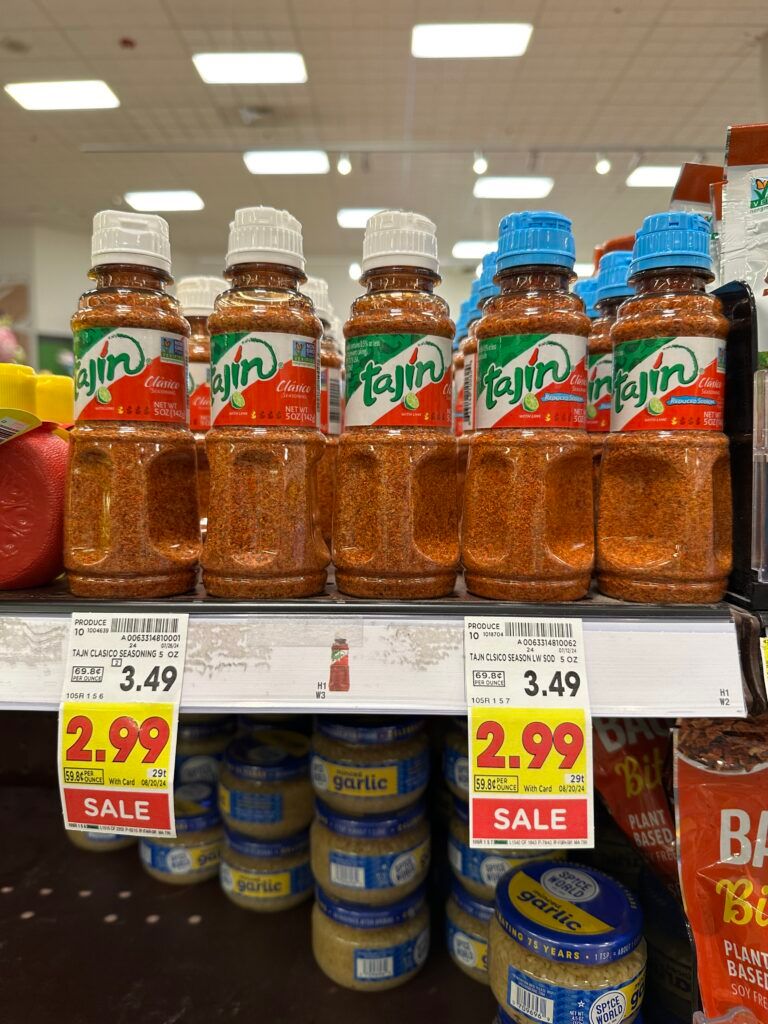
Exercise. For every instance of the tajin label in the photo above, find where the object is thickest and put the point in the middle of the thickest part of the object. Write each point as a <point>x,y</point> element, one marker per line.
<point>264,380</point>
<point>531,380</point>
<point>199,390</point>
<point>668,384</point>
<point>599,391</point>
<point>398,380</point>
<point>130,373</point>
<point>330,400</point>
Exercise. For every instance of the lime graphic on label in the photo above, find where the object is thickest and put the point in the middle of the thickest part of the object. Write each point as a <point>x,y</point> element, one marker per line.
<point>655,407</point>
<point>530,403</point>
<point>411,401</point>
<point>591,412</point>
<point>103,395</point>
<point>237,400</point>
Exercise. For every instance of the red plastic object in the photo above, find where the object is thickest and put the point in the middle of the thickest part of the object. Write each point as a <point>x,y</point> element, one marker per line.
<point>33,473</point>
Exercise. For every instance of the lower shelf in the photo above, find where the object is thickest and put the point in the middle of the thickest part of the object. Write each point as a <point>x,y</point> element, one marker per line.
<point>90,937</point>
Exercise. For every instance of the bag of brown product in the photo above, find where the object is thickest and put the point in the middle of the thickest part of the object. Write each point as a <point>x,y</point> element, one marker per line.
<point>721,797</point>
<point>629,756</point>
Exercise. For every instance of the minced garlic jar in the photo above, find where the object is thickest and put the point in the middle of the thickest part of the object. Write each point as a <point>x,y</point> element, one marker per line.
<point>365,765</point>
<point>467,920</point>
<point>266,877</point>
<point>200,746</point>
<point>370,948</point>
<point>456,760</point>
<point>194,854</point>
<point>479,870</point>
<point>264,788</point>
<point>566,947</point>
<point>99,842</point>
<point>377,859</point>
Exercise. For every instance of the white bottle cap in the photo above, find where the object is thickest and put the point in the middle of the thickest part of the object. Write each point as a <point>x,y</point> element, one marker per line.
<point>261,234</point>
<point>138,238</point>
<point>395,238</point>
<point>316,289</point>
<point>197,295</point>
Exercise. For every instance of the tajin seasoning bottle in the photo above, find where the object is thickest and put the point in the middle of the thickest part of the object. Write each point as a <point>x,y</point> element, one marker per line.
<point>664,521</point>
<point>131,524</point>
<point>527,526</point>
<point>395,530</point>
<point>197,296</point>
<point>264,447</point>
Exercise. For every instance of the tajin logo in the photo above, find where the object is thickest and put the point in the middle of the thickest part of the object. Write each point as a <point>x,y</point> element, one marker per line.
<point>93,373</point>
<point>641,387</point>
<point>599,382</point>
<point>522,381</point>
<point>400,383</point>
<point>254,359</point>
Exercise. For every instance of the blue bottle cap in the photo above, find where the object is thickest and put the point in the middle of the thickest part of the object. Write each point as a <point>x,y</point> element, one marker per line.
<point>612,276</point>
<point>535,238</point>
<point>672,239</point>
<point>462,323</point>
<point>586,289</point>
<point>487,288</point>
<point>474,302</point>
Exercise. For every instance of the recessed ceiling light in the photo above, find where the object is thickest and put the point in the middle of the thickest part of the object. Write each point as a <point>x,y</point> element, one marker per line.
<point>602,164</point>
<point>647,176</point>
<point>85,95</point>
<point>356,216</point>
<point>287,161</point>
<point>472,250</point>
<point>251,68</point>
<point>584,269</point>
<point>165,201</point>
<point>508,39</point>
<point>344,164</point>
<point>355,270</point>
<point>528,187</point>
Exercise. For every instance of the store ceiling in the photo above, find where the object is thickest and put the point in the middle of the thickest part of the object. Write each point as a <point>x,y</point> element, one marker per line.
<point>597,77</point>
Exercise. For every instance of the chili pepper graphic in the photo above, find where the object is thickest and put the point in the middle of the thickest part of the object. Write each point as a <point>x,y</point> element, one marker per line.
<point>104,349</point>
<point>534,356</point>
<point>658,360</point>
<point>238,354</point>
<point>414,355</point>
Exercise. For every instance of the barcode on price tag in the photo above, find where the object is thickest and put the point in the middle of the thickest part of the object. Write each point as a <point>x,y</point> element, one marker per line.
<point>118,721</point>
<point>530,734</point>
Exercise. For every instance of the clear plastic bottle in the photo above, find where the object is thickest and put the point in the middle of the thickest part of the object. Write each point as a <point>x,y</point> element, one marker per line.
<point>264,447</point>
<point>131,523</point>
<point>395,531</point>
<point>469,359</point>
<point>528,525</point>
<point>664,522</point>
<point>197,296</point>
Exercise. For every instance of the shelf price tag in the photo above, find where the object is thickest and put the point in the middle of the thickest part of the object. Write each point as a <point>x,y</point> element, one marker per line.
<point>530,733</point>
<point>118,721</point>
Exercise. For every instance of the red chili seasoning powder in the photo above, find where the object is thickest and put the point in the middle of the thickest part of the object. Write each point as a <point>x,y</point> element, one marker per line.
<point>264,447</point>
<point>395,530</point>
<point>664,522</point>
<point>131,523</point>
<point>527,525</point>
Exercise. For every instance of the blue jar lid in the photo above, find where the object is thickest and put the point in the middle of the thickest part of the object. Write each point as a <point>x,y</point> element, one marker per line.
<point>195,807</point>
<point>219,725</point>
<point>535,238</point>
<point>487,287</point>
<point>372,826</point>
<point>365,730</point>
<point>672,239</point>
<point>257,849</point>
<point>268,755</point>
<point>481,909</point>
<point>554,909</point>
<point>612,276</point>
<point>356,915</point>
<point>461,809</point>
<point>586,289</point>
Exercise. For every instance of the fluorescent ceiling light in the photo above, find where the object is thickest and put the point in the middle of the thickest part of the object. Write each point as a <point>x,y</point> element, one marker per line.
<point>507,39</point>
<point>355,270</point>
<point>584,269</point>
<point>287,161</point>
<point>647,176</point>
<point>250,68</point>
<point>166,201</point>
<point>356,216</point>
<point>512,188</point>
<point>472,250</point>
<point>85,95</point>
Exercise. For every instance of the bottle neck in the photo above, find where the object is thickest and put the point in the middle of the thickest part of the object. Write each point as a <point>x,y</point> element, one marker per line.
<point>610,307</point>
<point>126,275</point>
<point>198,324</point>
<point>671,279</point>
<point>268,276</point>
<point>536,278</point>
<point>400,279</point>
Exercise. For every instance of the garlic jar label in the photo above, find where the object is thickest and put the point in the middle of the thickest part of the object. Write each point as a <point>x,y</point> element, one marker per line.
<point>399,380</point>
<point>265,379</point>
<point>669,384</point>
<point>531,380</point>
<point>599,391</point>
<point>130,373</point>
<point>330,400</point>
<point>199,391</point>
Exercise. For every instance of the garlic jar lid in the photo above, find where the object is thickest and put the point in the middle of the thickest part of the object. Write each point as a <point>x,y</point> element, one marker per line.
<point>197,295</point>
<point>398,238</point>
<point>141,239</point>
<point>357,915</point>
<point>262,234</point>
